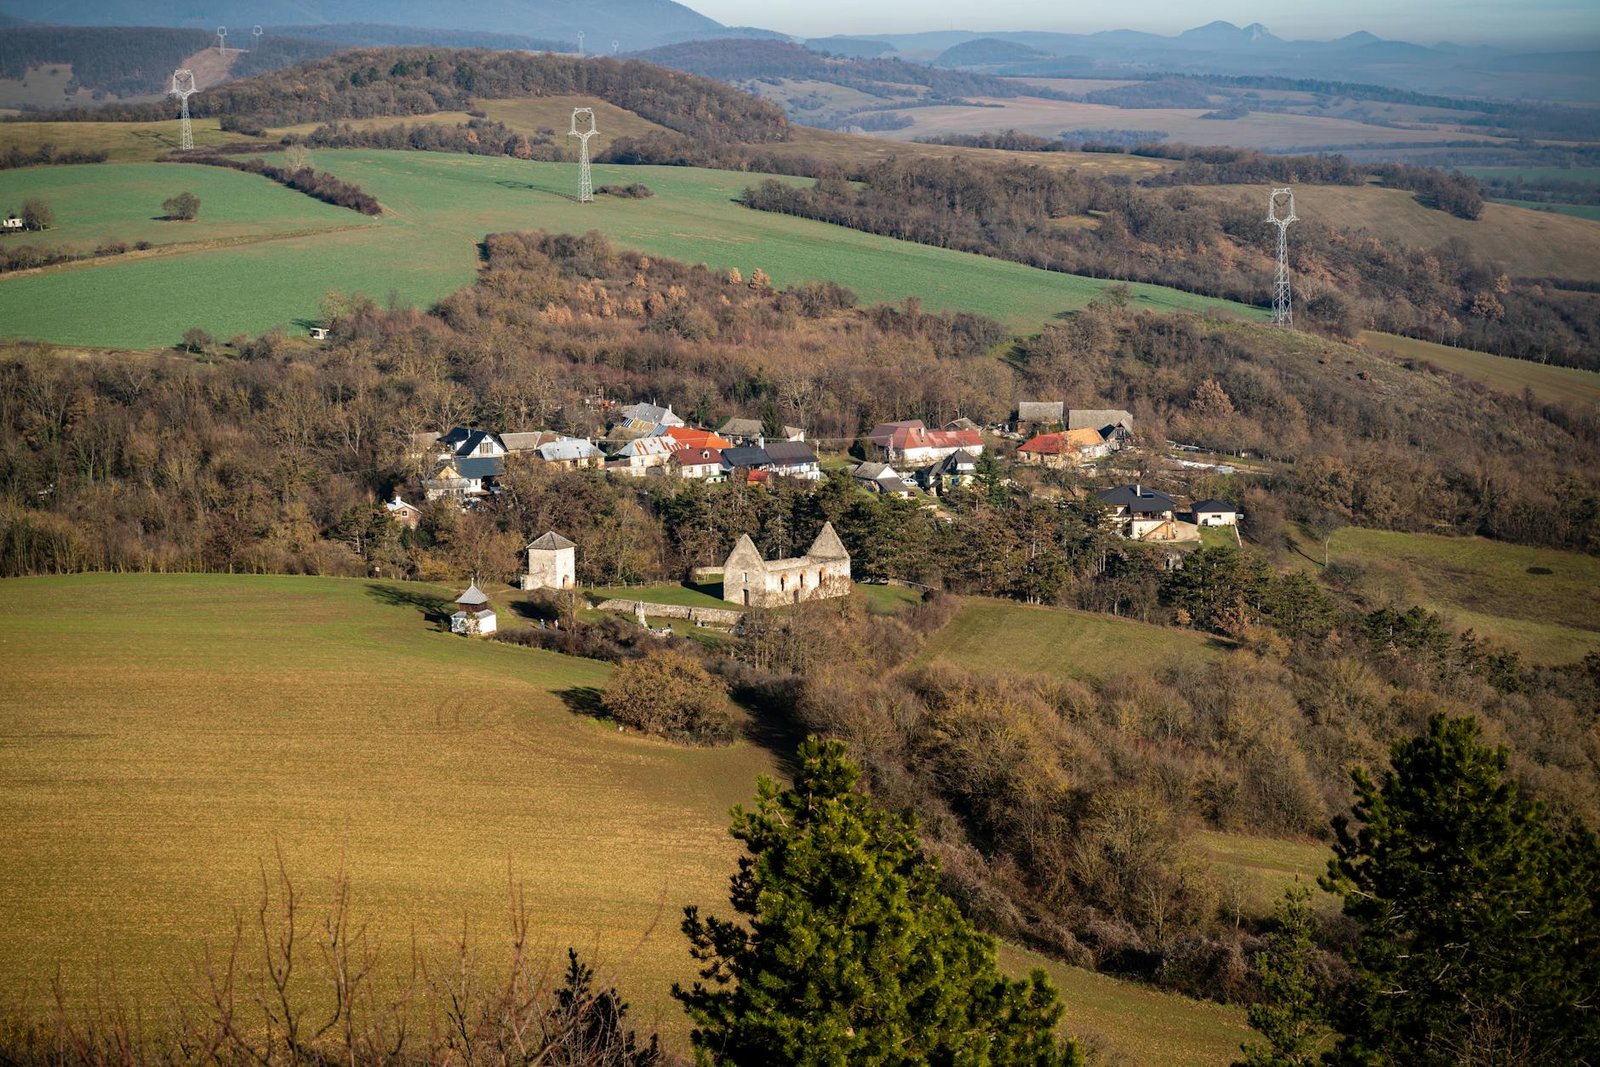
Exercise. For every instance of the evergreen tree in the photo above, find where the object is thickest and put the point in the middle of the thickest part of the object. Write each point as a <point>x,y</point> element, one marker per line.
<point>1290,1014</point>
<point>1478,923</point>
<point>771,422</point>
<point>849,953</point>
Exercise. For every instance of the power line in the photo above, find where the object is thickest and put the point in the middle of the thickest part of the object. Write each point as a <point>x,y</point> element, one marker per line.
<point>1282,301</point>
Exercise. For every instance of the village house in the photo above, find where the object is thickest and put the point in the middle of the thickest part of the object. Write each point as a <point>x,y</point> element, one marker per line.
<point>954,471</point>
<point>572,453</point>
<point>1140,514</point>
<point>464,479</point>
<point>407,515</point>
<point>11,223</point>
<point>463,442</point>
<point>1114,425</point>
<point>527,441</point>
<point>750,581</point>
<point>642,453</point>
<point>1214,513</point>
<point>792,459</point>
<point>878,477</point>
<point>1039,416</point>
<point>474,617</point>
<point>749,432</point>
<point>701,464</point>
<point>637,420</point>
<point>689,437</point>
<point>913,444</point>
<point>552,563</point>
<point>1064,449</point>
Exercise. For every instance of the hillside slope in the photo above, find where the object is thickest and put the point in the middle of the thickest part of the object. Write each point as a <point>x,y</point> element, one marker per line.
<point>199,722</point>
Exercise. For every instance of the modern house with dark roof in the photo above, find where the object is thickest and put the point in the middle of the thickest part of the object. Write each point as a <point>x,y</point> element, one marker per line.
<point>952,472</point>
<point>792,459</point>
<point>1141,514</point>
<point>1214,513</point>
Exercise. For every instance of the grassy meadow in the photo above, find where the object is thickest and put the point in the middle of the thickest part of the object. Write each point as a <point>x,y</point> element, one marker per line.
<point>124,142</point>
<point>1497,589</point>
<point>162,735</point>
<point>989,634</point>
<point>438,207</point>
<point>233,207</point>
<point>1552,384</point>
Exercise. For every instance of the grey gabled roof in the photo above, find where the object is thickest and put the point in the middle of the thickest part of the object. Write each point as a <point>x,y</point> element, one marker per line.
<point>1137,499</point>
<point>551,542</point>
<point>736,427</point>
<point>651,413</point>
<point>568,448</point>
<point>1098,418</point>
<point>472,597</point>
<point>1213,505</point>
<point>790,452</point>
<point>1040,410</point>
<point>744,456</point>
<point>480,466</point>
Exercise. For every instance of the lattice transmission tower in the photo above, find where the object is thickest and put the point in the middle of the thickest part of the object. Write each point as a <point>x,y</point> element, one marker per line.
<point>183,88</point>
<point>222,40</point>
<point>1282,300</point>
<point>585,178</point>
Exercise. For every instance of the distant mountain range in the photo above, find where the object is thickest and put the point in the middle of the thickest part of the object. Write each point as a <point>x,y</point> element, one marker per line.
<point>1223,48</point>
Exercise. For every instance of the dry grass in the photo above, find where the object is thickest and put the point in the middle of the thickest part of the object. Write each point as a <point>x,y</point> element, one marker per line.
<point>1003,635</point>
<point>1521,242</point>
<point>855,148</point>
<point>161,735</point>
<point>1559,385</point>
<point>1266,130</point>
<point>42,87</point>
<point>125,142</point>
<point>1165,1028</point>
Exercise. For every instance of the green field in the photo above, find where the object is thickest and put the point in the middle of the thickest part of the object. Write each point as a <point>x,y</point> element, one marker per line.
<point>439,206</point>
<point>1548,383</point>
<point>122,141</point>
<point>233,206</point>
<point>683,595</point>
<point>1263,866</point>
<point>1485,586</point>
<point>1585,175</point>
<point>1577,211</point>
<point>161,735</point>
<point>1000,634</point>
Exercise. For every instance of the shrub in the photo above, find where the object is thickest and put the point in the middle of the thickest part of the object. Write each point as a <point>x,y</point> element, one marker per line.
<point>634,191</point>
<point>184,207</point>
<point>37,214</point>
<point>670,694</point>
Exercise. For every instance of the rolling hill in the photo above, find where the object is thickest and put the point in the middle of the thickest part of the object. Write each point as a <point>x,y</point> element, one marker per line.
<point>433,769</point>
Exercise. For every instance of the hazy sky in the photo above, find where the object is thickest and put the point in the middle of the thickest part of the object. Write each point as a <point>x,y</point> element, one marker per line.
<point>1567,24</point>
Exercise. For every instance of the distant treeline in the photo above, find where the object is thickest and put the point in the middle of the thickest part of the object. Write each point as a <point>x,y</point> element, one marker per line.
<point>477,137</point>
<point>46,154</point>
<point>381,35</point>
<point>321,186</point>
<point>418,81</point>
<point>728,60</point>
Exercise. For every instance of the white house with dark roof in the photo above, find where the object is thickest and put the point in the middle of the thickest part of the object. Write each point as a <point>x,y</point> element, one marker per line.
<point>552,563</point>
<point>1214,513</point>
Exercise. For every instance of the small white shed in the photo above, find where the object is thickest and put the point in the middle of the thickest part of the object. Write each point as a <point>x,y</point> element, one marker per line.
<point>475,617</point>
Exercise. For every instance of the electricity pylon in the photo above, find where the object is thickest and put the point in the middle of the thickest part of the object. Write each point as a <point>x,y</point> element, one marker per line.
<point>1282,301</point>
<point>585,178</point>
<point>183,87</point>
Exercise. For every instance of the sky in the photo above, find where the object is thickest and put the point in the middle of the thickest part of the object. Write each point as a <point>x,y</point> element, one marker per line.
<point>1563,24</point>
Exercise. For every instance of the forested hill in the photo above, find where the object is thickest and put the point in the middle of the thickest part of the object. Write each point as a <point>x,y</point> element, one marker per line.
<point>735,61</point>
<point>124,61</point>
<point>363,83</point>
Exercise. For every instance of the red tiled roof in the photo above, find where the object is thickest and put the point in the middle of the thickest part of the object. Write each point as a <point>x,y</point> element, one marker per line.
<point>919,436</point>
<point>689,438</point>
<point>1044,444</point>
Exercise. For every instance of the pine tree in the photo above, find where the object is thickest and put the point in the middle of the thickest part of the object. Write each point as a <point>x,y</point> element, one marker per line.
<point>771,422</point>
<point>1290,1014</point>
<point>1478,923</point>
<point>849,952</point>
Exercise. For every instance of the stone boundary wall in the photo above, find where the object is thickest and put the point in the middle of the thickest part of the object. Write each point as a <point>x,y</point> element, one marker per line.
<point>714,616</point>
